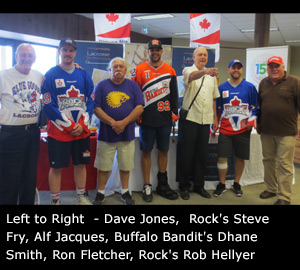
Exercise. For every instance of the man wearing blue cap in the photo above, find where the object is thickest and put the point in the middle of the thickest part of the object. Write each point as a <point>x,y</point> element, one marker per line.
<point>68,103</point>
<point>237,107</point>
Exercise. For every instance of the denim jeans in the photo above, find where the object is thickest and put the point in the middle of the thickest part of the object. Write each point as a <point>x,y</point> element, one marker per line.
<point>19,151</point>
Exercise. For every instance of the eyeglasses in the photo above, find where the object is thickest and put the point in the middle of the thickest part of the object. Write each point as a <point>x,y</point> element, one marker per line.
<point>274,66</point>
<point>28,55</point>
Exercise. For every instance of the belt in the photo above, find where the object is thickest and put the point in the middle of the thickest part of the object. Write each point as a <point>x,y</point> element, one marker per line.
<point>22,127</point>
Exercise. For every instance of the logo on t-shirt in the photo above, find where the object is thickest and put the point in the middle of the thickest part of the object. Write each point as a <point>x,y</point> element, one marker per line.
<point>115,99</point>
<point>60,83</point>
<point>225,94</point>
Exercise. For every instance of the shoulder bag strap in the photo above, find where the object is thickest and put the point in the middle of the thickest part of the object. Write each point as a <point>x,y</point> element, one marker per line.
<point>197,93</point>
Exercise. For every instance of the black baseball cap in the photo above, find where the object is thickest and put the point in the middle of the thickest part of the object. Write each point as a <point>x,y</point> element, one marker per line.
<point>154,43</point>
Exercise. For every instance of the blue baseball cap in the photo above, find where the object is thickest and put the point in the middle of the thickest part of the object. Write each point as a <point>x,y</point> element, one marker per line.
<point>234,62</point>
<point>67,41</point>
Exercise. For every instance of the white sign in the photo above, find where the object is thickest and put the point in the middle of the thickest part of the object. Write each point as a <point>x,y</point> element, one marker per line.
<point>257,58</point>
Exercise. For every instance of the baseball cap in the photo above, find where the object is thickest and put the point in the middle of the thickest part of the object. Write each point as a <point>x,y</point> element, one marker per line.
<point>234,62</point>
<point>275,59</point>
<point>67,41</point>
<point>154,43</point>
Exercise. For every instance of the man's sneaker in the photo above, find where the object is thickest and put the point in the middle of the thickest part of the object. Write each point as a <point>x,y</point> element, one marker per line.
<point>237,189</point>
<point>147,193</point>
<point>83,200</point>
<point>219,190</point>
<point>100,198</point>
<point>55,202</point>
<point>126,197</point>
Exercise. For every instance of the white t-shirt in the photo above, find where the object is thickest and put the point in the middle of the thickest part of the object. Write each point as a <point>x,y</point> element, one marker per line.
<point>201,111</point>
<point>19,97</point>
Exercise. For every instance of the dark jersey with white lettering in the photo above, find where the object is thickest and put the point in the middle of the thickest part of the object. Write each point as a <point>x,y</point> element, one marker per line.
<point>159,86</point>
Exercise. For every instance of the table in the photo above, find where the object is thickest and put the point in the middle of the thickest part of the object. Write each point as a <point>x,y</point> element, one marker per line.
<point>253,172</point>
<point>67,182</point>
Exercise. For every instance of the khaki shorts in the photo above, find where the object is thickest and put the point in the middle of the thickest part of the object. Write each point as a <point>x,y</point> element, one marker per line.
<point>106,153</point>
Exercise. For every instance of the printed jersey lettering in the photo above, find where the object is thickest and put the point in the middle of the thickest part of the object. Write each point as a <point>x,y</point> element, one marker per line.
<point>72,99</point>
<point>235,108</point>
<point>156,89</point>
<point>163,106</point>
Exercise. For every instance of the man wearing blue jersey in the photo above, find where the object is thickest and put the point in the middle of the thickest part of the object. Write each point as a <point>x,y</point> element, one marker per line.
<point>237,106</point>
<point>68,104</point>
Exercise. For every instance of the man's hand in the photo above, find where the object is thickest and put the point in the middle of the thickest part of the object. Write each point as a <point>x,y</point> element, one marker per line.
<point>212,72</point>
<point>119,126</point>
<point>77,130</point>
<point>249,127</point>
<point>215,126</point>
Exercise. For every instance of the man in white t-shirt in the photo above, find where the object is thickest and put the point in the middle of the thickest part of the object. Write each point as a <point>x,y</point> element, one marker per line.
<point>20,89</point>
<point>193,134</point>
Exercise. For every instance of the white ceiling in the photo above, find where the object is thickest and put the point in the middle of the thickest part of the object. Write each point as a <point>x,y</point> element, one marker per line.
<point>231,24</point>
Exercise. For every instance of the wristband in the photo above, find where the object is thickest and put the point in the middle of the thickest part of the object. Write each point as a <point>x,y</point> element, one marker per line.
<point>175,117</point>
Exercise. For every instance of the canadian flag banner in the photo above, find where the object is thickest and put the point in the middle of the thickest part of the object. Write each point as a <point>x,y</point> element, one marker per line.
<point>112,27</point>
<point>205,31</point>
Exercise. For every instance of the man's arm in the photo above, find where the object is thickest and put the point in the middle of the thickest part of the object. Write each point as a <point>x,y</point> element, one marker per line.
<point>119,126</point>
<point>103,116</point>
<point>195,75</point>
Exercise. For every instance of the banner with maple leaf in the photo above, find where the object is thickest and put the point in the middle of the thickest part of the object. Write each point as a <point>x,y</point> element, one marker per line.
<point>205,31</point>
<point>112,27</point>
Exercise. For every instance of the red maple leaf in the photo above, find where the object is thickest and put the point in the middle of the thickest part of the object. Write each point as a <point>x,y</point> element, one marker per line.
<point>238,103</point>
<point>73,92</point>
<point>235,101</point>
<point>112,17</point>
<point>205,24</point>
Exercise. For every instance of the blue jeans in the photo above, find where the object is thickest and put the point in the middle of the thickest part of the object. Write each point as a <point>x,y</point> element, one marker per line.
<point>19,151</point>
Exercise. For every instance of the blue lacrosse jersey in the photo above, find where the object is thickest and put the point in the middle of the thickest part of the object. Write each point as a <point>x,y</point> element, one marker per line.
<point>237,106</point>
<point>68,99</point>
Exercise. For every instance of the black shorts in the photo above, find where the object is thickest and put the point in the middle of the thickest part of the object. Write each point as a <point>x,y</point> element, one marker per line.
<point>60,152</point>
<point>148,136</point>
<point>237,144</point>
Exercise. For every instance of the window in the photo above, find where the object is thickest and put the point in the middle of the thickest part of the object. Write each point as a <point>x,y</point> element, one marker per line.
<point>46,58</point>
<point>5,57</point>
